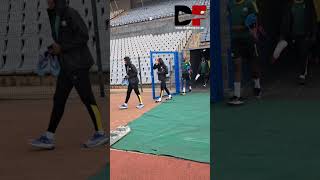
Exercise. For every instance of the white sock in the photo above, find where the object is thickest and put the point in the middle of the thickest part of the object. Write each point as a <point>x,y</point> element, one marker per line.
<point>49,135</point>
<point>170,96</point>
<point>184,89</point>
<point>190,88</point>
<point>257,83</point>
<point>237,89</point>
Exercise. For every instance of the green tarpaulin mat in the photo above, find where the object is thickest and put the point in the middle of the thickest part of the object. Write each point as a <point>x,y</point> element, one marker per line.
<point>268,139</point>
<point>178,128</point>
<point>104,174</point>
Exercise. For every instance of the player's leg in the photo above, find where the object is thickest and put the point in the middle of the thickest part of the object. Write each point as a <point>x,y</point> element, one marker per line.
<point>125,104</point>
<point>136,90</point>
<point>303,49</point>
<point>256,71</point>
<point>237,60</point>
<point>81,81</point>
<point>167,91</point>
<point>184,84</point>
<point>162,85</point>
<point>204,84</point>
<point>188,83</point>
<point>63,89</point>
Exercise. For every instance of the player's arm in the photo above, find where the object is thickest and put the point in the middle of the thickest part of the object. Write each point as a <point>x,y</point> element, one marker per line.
<point>165,70</point>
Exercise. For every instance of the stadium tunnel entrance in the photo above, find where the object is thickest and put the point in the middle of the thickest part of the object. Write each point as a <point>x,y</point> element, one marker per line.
<point>287,67</point>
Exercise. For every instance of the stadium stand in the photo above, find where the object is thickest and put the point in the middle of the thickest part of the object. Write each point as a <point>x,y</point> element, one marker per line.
<point>25,33</point>
<point>136,32</point>
<point>152,12</point>
<point>114,14</point>
<point>140,46</point>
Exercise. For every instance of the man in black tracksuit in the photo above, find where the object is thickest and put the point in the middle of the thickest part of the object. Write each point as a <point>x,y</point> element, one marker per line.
<point>70,36</point>
<point>204,71</point>
<point>162,76</point>
<point>132,77</point>
<point>299,25</point>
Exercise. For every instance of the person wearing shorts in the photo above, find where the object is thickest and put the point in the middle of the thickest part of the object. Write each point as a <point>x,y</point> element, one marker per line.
<point>242,46</point>
<point>132,77</point>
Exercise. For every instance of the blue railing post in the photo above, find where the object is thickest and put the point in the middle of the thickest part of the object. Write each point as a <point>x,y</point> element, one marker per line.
<point>215,53</point>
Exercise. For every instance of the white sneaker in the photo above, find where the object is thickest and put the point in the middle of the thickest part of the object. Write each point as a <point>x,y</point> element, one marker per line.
<point>140,106</point>
<point>169,98</point>
<point>158,100</point>
<point>124,106</point>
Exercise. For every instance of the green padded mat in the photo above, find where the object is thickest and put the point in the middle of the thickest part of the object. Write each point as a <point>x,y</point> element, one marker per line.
<point>178,128</point>
<point>104,174</point>
<point>266,140</point>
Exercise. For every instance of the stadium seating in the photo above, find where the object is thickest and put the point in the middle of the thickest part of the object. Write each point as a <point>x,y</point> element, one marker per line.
<point>152,12</point>
<point>114,14</point>
<point>25,32</point>
<point>140,47</point>
<point>205,34</point>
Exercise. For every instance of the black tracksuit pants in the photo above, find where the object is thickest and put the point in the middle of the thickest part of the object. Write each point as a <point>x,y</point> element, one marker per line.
<point>65,83</point>
<point>133,86</point>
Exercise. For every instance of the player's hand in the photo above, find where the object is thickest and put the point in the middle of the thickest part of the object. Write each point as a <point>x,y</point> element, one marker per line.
<point>157,62</point>
<point>56,49</point>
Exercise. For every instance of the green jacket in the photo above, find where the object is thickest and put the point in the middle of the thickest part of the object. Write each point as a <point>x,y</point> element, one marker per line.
<point>239,12</point>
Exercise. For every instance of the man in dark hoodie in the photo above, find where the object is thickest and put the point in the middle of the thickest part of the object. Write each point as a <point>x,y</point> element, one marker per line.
<point>132,77</point>
<point>162,76</point>
<point>299,26</point>
<point>70,36</point>
<point>204,71</point>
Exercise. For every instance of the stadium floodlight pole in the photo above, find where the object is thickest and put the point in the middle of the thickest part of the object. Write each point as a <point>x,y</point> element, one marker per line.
<point>115,2</point>
<point>111,6</point>
<point>98,48</point>
<point>170,73</point>
<point>140,74</point>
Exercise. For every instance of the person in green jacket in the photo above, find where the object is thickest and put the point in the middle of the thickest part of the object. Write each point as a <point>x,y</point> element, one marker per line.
<point>242,45</point>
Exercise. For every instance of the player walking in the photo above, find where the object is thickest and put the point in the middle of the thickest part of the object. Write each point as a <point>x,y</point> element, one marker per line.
<point>162,76</point>
<point>71,36</point>
<point>242,46</point>
<point>132,77</point>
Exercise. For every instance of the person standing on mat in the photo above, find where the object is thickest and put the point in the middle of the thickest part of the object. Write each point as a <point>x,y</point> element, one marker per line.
<point>162,77</point>
<point>242,46</point>
<point>132,77</point>
<point>70,36</point>
<point>186,76</point>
